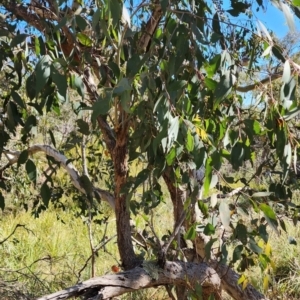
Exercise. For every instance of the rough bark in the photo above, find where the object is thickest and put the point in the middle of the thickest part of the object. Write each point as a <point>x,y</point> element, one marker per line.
<point>177,196</point>
<point>120,159</point>
<point>151,26</point>
<point>107,286</point>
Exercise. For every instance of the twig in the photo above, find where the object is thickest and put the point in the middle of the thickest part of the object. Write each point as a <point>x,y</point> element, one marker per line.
<point>96,249</point>
<point>18,225</point>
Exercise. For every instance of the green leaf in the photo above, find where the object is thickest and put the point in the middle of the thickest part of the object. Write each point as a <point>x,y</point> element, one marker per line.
<point>37,46</point>
<point>52,138</point>
<point>237,155</point>
<point>262,229</point>
<point>126,101</point>
<point>241,6</point>
<point>141,177</point>
<point>81,22</point>
<point>191,233</point>
<point>208,247</point>
<point>170,158</point>
<point>216,23</point>
<point>18,39</point>
<point>2,201</point>
<point>176,85</point>
<point>203,208</point>
<point>114,67</point>
<point>84,39</point>
<point>134,65</point>
<point>241,233</point>
<point>18,99</point>
<point>96,18</point>
<point>60,81</point>
<point>209,229</point>
<point>254,247</point>
<point>42,72</point>
<point>278,53</point>
<point>83,127</point>
<point>122,86</point>
<point>224,212</point>
<point>292,113</point>
<point>116,11</point>
<point>167,142</point>
<point>237,253</point>
<point>223,88</point>
<point>268,211</point>
<point>31,170</point>
<point>234,12</point>
<point>22,158</point>
<point>286,76</point>
<point>31,86</point>
<point>45,193</point>
<point>213,65</point>
<point>189,142</point>
<point>210,83</point>
<point>208,175</point>
<point>77,83</point>
<point>102,106</point>
<point>29,124</point>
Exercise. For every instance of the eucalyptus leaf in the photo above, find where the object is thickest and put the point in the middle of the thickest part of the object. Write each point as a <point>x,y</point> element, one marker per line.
<point>42,72</point>
<point>31,170</point>
<point>224,212</point>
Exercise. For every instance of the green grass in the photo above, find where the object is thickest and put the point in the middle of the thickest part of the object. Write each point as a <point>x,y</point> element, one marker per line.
<point>48,253</point>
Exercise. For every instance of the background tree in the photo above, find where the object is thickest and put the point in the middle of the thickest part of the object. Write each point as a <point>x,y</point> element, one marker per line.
<point>162,89</point>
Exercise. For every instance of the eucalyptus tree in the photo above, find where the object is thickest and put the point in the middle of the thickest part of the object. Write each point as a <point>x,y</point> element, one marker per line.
<point>160,82</point>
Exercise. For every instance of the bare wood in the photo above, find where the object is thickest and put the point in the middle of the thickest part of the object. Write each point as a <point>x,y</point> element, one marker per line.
<point>107,286</point>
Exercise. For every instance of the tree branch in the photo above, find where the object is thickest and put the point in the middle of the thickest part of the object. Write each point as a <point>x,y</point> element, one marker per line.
<point>150,27</point>
<point>251,87</point>
<point>107,286</point>
<point>13,157</point>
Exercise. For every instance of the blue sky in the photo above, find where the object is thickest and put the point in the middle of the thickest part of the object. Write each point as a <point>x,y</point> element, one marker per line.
<point>274,20</point>
<point>271,17</point>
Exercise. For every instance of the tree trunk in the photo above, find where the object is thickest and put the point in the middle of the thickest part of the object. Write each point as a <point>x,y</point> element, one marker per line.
<point>120,159</point>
